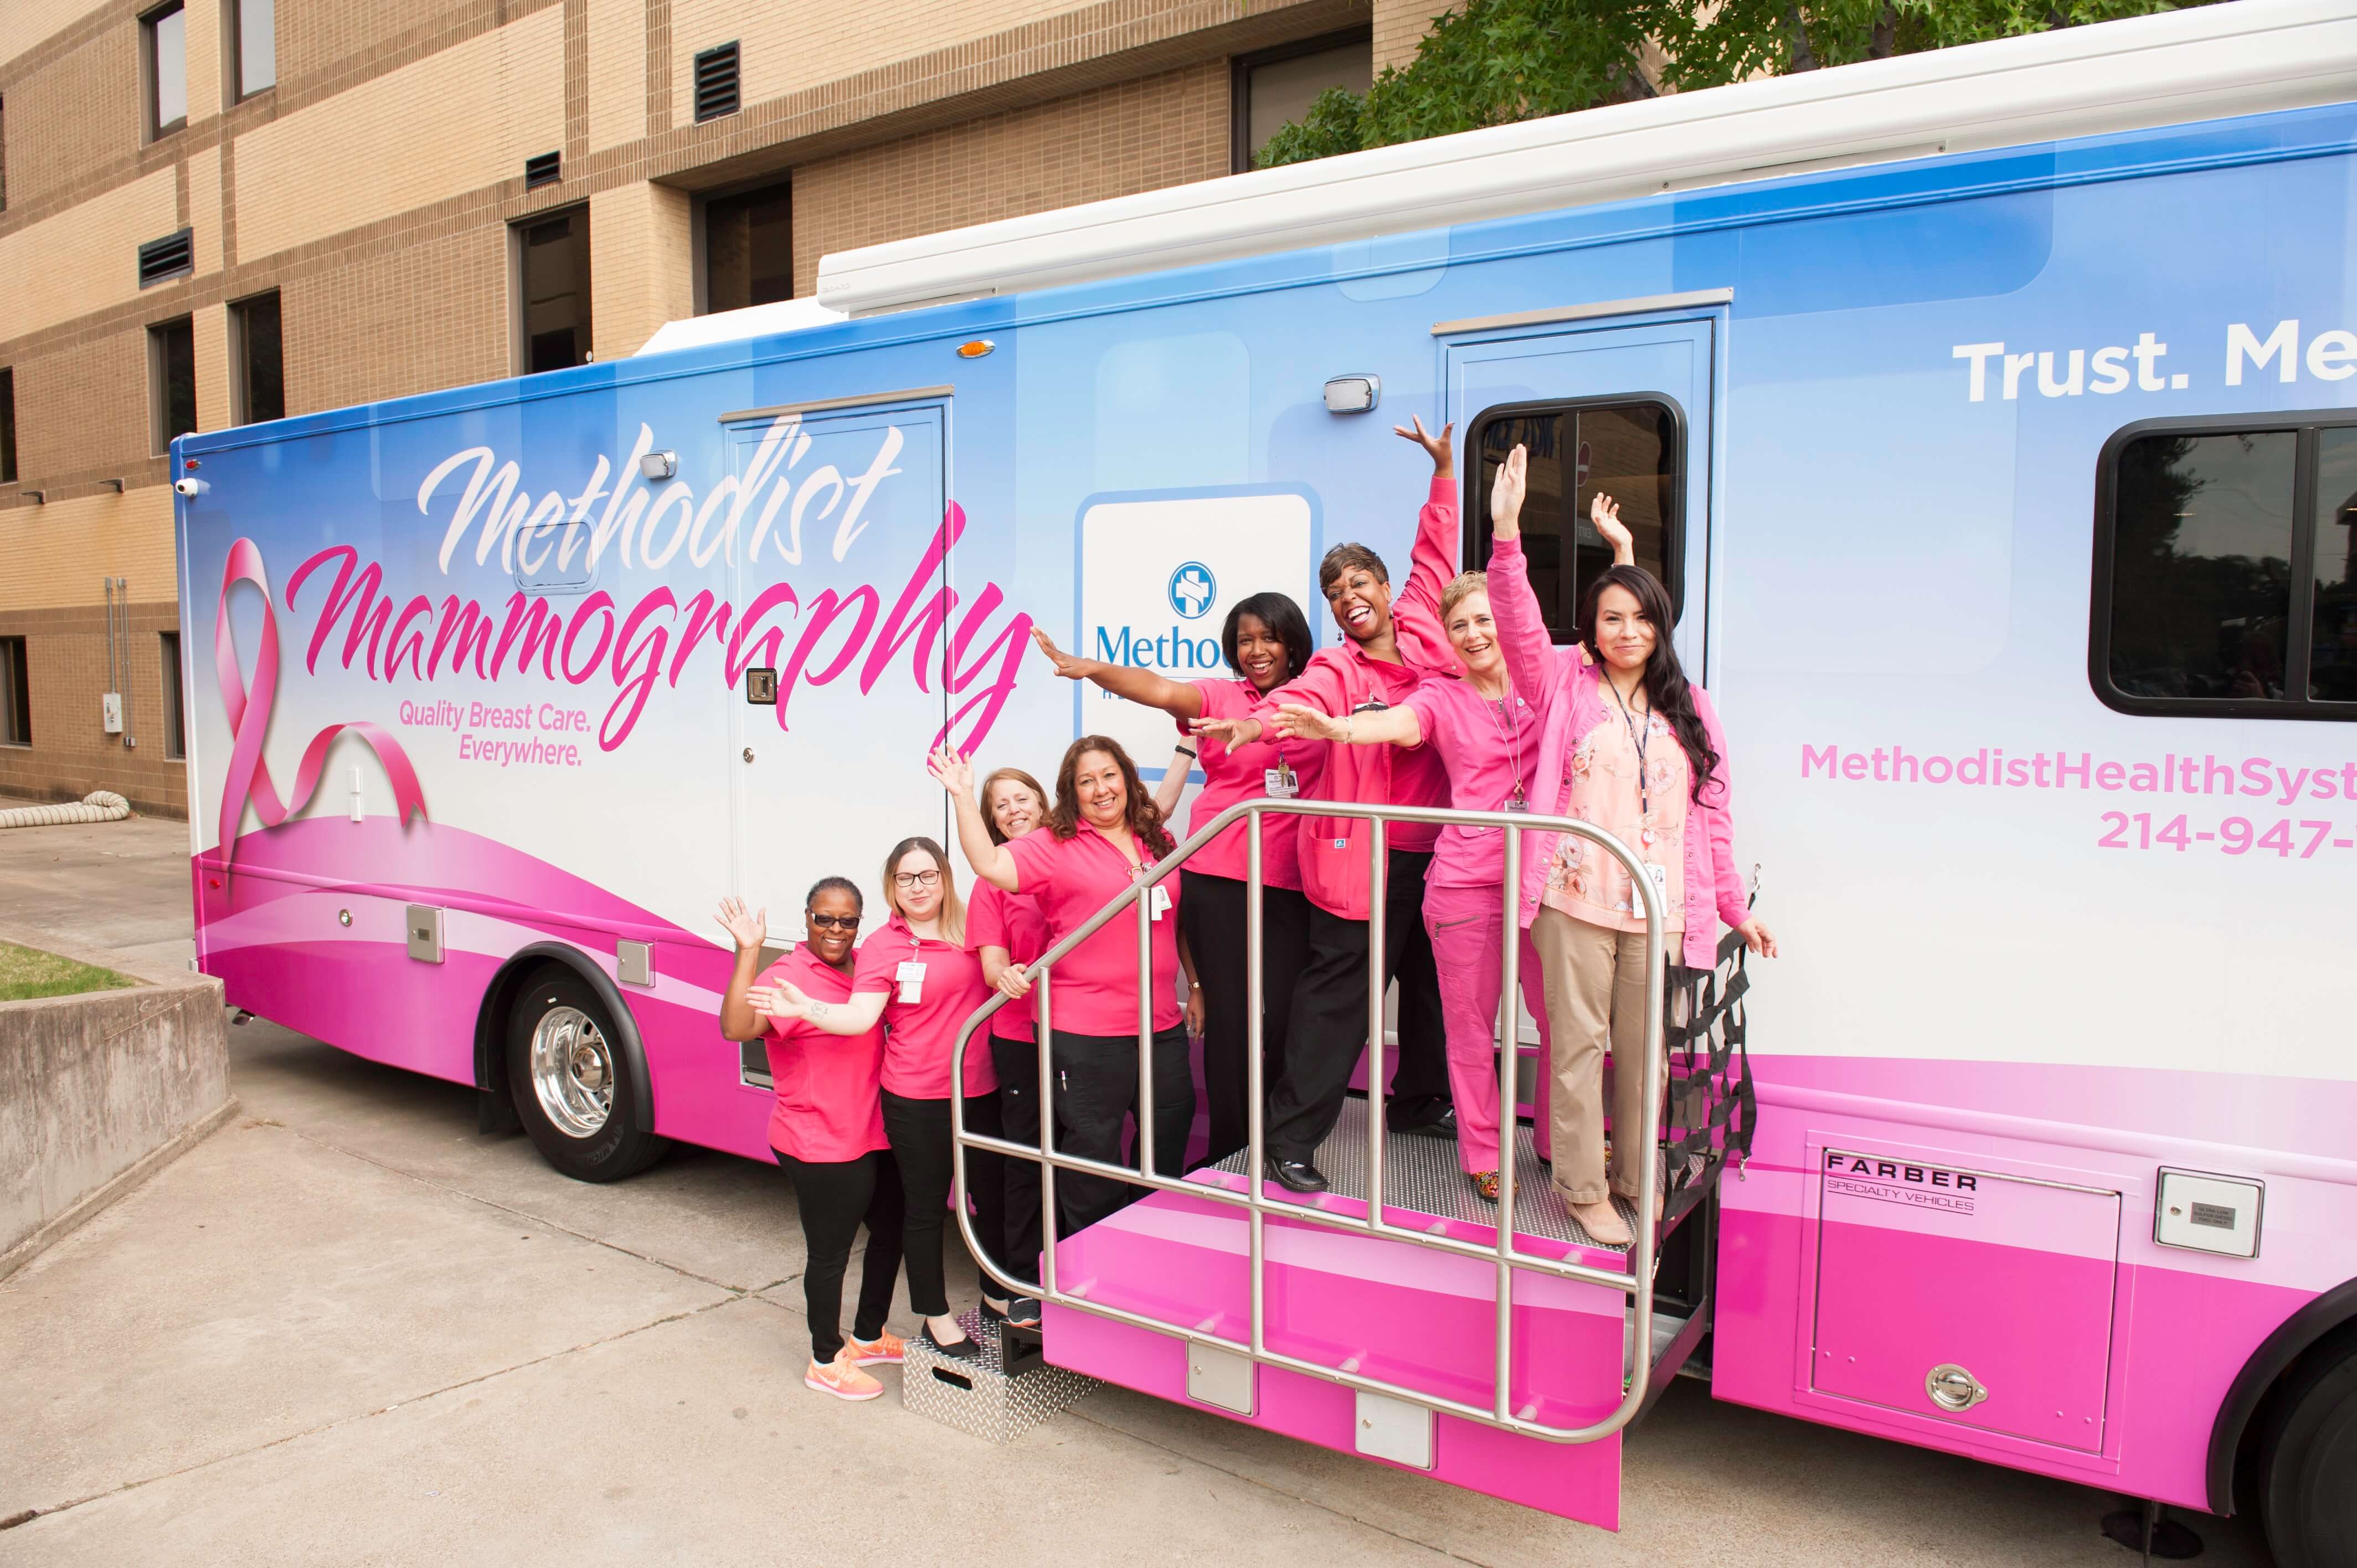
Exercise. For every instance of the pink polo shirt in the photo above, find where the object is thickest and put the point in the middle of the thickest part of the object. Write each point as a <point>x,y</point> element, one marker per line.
<point>1230,776</point>
<point>919,1035</point>
<point>826,1110</point>
<point>997,918</point>
<point>1487,749</point>
<point>1094,987</point>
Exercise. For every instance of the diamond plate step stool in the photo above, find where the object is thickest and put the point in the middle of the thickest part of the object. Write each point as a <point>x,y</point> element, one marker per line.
<point>998,1395</point>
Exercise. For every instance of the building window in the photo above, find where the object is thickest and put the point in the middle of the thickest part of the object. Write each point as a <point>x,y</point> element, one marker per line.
<point>255,61</point>
<point>176,740</point>
<point>8,426</point>
<point>2226,570</point>
<point>552,285</point>
<point>172,375</point>
<point>164,38</point>
<point>15,694</point>
<point>258,389</point>
<point>1632,450</point>
<point>749,248</point>
<point>1279,85</point>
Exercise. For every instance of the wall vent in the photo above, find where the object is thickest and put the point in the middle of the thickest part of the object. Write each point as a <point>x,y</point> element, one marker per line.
<point>716,83</point>
<point>172,256</point>
<point>545,169</point>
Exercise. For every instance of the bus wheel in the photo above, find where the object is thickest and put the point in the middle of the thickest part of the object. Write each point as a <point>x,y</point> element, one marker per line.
<point>571,1082</point>
<point>2306,1496</point>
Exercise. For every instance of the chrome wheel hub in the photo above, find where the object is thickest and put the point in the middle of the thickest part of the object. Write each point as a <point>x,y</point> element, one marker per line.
<point>573,1072</point>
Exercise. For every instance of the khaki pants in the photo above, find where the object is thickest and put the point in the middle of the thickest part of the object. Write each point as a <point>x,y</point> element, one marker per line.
<point>1595,992</point>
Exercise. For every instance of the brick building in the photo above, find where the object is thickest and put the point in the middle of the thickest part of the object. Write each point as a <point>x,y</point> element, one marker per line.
<point>211,213</point>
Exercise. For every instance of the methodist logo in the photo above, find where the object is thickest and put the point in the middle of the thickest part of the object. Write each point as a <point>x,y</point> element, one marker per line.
<point>1192,589</point>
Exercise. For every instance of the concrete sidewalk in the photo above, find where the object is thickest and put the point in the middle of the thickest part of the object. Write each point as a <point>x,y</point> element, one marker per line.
<point>347,1329</point>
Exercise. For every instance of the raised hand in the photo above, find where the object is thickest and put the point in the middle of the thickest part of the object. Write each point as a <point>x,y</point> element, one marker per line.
<point>1507,489</point>
<point>1014,982</point>
<point>1296,721</point>
<point>1069,668</point>
<point>952,771</point>
<point>1605,513</point>
<point>748,929</point>
<point>1444,461</point>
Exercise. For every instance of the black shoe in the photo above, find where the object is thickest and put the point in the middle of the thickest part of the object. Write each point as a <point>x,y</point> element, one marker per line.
<point>992,1311</point>
<point>1024,1312</point>
<point>1296,1175</point>
<point>1439,1124</point>
<point>965,1349</point>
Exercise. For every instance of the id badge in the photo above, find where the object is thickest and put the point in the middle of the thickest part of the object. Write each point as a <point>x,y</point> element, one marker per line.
<point>910,975</point>
<point>1280,782</point>
<point>1660,876</point>
<point>1157,902</point>
<point>1515,802</point>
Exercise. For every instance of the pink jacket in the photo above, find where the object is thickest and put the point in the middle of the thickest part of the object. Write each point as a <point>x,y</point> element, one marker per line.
<point>1334,849</point>
<point>1570,694</point>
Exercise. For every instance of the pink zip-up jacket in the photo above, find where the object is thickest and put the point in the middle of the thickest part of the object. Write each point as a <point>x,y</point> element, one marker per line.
<point>1570,695</point>
<point>1334,849</point>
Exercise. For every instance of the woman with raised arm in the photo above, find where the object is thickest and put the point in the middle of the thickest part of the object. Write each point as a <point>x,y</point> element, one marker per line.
<point>1629,744</point>
<point>1267,643</point>
<point>1101,836</point>
<point>1487,736</point>
<point>826,1128</point>
<point>1009,933</point>
<point>917,977</point>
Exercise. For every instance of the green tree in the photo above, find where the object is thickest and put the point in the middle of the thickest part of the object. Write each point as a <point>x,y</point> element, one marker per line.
<point>1496,61</point>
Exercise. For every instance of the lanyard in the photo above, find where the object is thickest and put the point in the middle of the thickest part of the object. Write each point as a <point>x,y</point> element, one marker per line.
<point>1510,733</point>
<point>1637,737</point>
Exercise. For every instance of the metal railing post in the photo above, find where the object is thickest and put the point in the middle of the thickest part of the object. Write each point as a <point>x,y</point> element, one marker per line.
<point>1046,1142</point>
<point>1256,1088</point>
<point>1145,1160</point>
<point>1378,890</point>
<point>1510,1013</point>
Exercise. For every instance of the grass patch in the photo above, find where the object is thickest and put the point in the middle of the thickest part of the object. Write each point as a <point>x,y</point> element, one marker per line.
<point>27,973</point>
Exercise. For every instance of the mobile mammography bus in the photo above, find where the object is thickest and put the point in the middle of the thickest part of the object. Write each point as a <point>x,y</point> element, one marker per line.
<point>1990,414</point>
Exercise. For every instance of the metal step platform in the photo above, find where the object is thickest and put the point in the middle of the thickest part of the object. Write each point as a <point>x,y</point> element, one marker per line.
<point>998,1395</point>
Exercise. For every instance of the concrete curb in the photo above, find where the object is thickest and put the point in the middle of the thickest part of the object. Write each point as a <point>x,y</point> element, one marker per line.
<point>121,1186</point>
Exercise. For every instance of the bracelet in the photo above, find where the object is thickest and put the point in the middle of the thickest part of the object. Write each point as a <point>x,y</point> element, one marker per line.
<point>1184,750</point>
<point>1194,985</point>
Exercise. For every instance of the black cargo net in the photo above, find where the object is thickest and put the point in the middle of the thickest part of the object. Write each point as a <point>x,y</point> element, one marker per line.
<point>1712,1111</point>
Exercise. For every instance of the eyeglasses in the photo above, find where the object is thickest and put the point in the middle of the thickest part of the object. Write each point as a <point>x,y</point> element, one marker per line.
<point>832,922</point>
<point>916,879</point>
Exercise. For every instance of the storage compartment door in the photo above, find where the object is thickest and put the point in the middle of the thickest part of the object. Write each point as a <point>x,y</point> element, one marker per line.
<point>1973,1297</point>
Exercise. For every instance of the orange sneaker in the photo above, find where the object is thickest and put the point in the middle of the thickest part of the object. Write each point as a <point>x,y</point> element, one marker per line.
<point>842,1378</point>
<point>887,1346</point>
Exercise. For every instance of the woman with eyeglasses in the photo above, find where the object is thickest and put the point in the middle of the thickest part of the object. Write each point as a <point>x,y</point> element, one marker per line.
<point>919,978</point>
<point>1009,933</point>
<point>1102,835</point>
<point>826,1128</point>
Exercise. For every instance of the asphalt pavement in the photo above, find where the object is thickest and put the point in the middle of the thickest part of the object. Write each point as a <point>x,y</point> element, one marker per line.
<point>347,1328</point>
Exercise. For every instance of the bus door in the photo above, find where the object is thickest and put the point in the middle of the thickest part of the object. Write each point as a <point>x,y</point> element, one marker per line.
<point>834,645</point>
<point>1618,400</point>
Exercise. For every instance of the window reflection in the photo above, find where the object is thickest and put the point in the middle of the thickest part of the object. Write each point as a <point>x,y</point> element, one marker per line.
<point>1628,451</point>
<point>2333,657</point>
<point>2201,575</point>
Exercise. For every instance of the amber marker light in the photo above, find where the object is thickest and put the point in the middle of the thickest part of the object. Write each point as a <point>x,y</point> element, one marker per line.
<point>975,349</point>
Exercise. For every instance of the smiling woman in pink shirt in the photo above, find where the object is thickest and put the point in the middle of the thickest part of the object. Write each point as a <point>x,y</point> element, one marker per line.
<point>918,977</point>
<point>826,1128</point>
<point>1267,643</point>
<point>1102,835</point>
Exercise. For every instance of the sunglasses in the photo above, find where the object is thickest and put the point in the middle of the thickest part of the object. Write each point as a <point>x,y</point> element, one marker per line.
<point>832,922</point>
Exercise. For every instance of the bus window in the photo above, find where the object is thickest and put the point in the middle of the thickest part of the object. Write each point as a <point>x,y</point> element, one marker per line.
<point>1631,451</point>
<point>2224,585</point>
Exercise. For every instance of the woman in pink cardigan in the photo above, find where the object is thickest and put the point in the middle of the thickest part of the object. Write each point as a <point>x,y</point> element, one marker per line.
<point>1629,744</point>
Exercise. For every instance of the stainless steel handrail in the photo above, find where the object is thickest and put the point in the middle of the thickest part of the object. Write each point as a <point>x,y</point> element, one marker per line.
<point>1635,1282</point>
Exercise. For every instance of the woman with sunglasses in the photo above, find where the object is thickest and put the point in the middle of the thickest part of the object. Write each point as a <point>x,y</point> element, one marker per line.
<point>1009,933</point>
<point>826,1128</point>
<point>918,977</point>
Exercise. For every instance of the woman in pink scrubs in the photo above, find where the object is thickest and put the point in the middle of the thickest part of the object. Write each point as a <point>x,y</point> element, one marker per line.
<point>1267,643</point>
<point>1009,933</point>
<point>826,1128</point>
<point>918,976</point>
<point>1102,835</point>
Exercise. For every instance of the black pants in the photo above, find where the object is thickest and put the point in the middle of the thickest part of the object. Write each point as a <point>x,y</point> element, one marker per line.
<point>1096,1091</point>
<point>1330,1019</point>
<point>834,1197</point>
<point>1017,1062</point>
<point>919,1134</point>
<point>1211,910</point>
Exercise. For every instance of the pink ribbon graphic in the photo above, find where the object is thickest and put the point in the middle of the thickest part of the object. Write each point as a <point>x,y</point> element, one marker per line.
<point>249,722</point>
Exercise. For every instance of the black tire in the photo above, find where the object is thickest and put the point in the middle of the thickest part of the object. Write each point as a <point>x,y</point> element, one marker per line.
<point>2308,1466</point>
<point>573,1084</point>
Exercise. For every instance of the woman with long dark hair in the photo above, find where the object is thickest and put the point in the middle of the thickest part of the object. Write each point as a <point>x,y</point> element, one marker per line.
<point>1101,836</point>
<point>1629,744</point>
<point>917,977</point>
<point>826,1128</point>
<point>1009,933</point>
<point>1267,643</point>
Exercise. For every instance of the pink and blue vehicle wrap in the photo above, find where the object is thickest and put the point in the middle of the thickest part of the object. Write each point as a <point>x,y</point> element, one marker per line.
<point>459,651</point>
